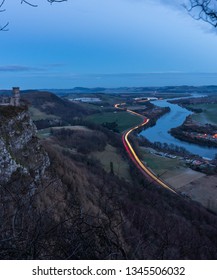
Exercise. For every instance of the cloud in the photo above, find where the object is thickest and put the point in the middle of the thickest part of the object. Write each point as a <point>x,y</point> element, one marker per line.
<point>44,69</point>
<point>176,4</point>
<point>55,65</point>
<point>18,68</point>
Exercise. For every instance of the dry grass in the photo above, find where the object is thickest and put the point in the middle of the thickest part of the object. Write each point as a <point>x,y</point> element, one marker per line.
<point>110,154</point>
<point>45,132</point>
<point>203,190</point>
<point>73,127</point>
<point>196,185</point>
<point>36,114</point>
<point>185,176</point>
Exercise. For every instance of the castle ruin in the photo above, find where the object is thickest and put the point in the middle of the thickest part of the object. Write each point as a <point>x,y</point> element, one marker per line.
<point>13,100</point>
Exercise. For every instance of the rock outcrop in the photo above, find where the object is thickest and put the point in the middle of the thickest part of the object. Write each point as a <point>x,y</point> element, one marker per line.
<point>24,175</point>
<point>21,155</point>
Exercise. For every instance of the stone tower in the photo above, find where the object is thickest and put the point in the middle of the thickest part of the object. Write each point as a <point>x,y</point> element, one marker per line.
<point>16,96</point>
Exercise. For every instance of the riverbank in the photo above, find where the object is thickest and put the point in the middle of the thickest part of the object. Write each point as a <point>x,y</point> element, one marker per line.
<point>178,168</point>
<point>176,117</point>
<point>190,131</point>
<point>173,170</point>
<point>203,108</point>
<point>189,183</point>
<point>166,151</point>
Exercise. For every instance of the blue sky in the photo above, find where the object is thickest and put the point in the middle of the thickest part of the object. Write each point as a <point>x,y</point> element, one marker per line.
<point>78,42</point>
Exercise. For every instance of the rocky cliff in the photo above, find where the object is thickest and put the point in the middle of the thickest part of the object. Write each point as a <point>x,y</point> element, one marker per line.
<point>23,176</point>
<point>41,215</point>
<point>21,156</point>
<point>65,205</point>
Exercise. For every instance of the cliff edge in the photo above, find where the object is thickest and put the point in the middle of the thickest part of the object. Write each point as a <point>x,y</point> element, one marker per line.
<point>21,154</point>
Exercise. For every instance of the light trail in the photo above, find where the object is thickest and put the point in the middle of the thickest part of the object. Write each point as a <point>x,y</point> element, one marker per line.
<point>133,155</point>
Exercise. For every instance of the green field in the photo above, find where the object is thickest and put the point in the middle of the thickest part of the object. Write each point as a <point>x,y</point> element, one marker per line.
<point>209,114</point>
<point>161,166</point>
<point>123,119</point>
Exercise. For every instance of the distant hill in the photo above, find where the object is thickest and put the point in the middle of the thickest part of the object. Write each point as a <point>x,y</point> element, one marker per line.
<point>49,107</point>
<point>211,89</point>
<point>5,92</point>
<point>58,203</point>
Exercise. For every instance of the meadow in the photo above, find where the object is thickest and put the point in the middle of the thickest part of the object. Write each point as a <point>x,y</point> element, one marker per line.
<point>124,120</point>
<point>208,115</point>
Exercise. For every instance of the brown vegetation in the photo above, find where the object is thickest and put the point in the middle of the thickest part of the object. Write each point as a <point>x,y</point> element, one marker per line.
<point>76,210</point>
<point>148,223</point>
<point>194,133</point>
<point>65,111</point>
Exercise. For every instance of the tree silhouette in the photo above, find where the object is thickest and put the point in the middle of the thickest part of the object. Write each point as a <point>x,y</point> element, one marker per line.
<point>4,27</point>
<point>205,10</point>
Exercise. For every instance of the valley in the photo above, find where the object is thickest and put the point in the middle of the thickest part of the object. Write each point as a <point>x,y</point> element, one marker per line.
<point>181,172</point>
<point>88,197</point>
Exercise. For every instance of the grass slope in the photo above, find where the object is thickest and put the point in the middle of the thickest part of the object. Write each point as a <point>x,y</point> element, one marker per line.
<point>110,154</point>
<point>46,105</point>
<point>208,115</point>
<point>123,119</point>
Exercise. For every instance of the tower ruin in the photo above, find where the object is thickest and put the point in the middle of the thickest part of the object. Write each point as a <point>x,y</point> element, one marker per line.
<point>15,99</point>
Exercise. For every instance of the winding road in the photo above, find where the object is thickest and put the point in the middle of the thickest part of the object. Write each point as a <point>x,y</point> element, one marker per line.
<point>132,154</point>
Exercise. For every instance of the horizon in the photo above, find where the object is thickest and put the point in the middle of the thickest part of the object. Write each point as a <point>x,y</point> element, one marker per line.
<point>136,80</point>
<point>85,38</point>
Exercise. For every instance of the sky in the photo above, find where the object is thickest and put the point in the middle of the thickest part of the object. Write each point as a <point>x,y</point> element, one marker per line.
<point>103,43</point>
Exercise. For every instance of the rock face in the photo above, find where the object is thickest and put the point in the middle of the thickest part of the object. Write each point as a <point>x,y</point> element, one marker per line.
<point>28,187</point>
<point>20,152</point>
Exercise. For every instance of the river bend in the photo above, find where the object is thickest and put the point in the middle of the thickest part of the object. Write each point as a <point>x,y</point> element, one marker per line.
<point>176,116</point>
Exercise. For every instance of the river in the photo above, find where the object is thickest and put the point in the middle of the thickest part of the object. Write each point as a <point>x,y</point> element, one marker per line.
<point>177,115</point>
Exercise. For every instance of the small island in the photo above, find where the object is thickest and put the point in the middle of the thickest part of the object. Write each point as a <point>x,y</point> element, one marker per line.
<point>200,127</point>
<point>190,131</point>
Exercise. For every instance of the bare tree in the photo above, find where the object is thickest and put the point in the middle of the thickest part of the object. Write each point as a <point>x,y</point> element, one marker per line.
<point>205,10</point>
<point>35,5</point>
<point>4,27</point>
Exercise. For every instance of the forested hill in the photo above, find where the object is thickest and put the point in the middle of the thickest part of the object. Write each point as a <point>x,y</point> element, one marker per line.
<point>57,201</point>
<point>56,108</point>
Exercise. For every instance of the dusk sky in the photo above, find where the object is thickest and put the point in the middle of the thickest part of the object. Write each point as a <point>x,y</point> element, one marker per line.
<point>81,42</point>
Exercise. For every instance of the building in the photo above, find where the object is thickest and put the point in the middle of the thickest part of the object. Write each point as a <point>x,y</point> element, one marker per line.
<point>13,100</point>
<point>87,99</point>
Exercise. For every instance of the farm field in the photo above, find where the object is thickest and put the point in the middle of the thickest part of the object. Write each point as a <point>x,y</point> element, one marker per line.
<point>124,120</point>
<point>203,190</point>
<point>208,115</point>
<point>161,166</point>
<point>195,185</point>
<point>173,171</point>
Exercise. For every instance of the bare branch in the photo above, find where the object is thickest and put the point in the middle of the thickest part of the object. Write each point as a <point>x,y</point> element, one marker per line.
<point>30,4</point>
<point>56,1</point>
<point>205,10</point>
<point>2,2</point>
<point>35,5</point>
<point>4,27</point>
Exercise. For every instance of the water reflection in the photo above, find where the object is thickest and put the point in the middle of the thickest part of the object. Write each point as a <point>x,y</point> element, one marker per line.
<point>177,115</point>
